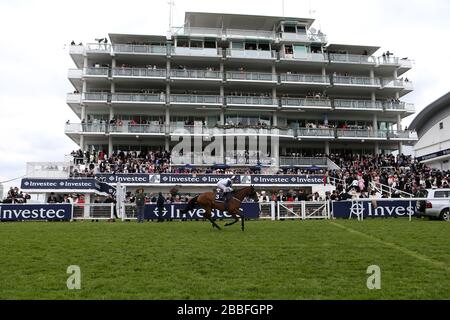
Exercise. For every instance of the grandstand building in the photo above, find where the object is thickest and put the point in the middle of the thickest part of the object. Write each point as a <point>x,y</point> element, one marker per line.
<point>433,127</point>
<point>228,75</point>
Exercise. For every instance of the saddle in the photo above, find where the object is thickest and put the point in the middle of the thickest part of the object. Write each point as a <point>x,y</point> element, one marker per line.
<point>221,196</point>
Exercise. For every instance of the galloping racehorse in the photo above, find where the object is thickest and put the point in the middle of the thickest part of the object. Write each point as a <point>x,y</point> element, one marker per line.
<point>207,201</point>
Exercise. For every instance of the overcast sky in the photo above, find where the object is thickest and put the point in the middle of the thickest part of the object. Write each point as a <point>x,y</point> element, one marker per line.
<point>34,57</point>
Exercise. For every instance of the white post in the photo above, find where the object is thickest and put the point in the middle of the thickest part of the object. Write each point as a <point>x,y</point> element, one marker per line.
<point>87,207</point>
<point>272,210</point>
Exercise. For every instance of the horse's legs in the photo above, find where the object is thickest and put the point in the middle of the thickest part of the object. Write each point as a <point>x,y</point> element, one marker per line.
<point>208,216</point>
<point>236,216</point>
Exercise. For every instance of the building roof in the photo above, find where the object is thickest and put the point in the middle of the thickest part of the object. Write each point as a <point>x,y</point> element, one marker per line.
<point>237,21</point>
<point>426,114</point>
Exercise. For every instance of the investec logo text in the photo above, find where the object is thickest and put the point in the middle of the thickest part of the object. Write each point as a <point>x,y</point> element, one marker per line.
<point>24,214</point>
<point>191,179</point>
<point>174,213</point>
<point>390,211</point>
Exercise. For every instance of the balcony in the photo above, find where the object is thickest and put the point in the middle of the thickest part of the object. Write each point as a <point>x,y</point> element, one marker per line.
<point>356,81</point>
<point>397,84</point>
<point>198,32</point>
<point>75,74</point>
<point>306,103</point>
<point>305,57</point>
<point>103,48</point>
<point>401,106</point>
<point>132,129</point>
<point>96,72</point>
<point>250,54</point>
<point>196,52</point>
<point>292,36</point>
<point>360,134</point>
<point>143,73</point>
<point>302,161</point>
<point>196,74</point>
<point>97,97</point>
<point>256,131</point>
<point>251,76</point>
<point>90,128</point>
<point>186,99</point>
<point>251,101</point>
<point>138,98</point>
<point>139,49</point>
<point>73,98</point>
<point>317,133</point>
<point>308,79</point>
<point>363,105</point>
<point>402,135</point>
<point>74,49</point>
<point>352,58</point>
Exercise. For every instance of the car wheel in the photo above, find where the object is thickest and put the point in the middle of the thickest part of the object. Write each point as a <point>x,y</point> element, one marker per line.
<point>445,215</point>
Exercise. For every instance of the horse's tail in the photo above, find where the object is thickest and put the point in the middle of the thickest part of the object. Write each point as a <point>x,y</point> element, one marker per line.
<point>190,205</point>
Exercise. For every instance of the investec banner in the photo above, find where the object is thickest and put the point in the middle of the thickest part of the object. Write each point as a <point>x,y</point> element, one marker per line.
<point>136,178</point>
<point>172,211</point>
<point>286,179</point>
<point>374,208</point>
<point>194,179</point>
<point>25,212</point>
<point>59,184</point>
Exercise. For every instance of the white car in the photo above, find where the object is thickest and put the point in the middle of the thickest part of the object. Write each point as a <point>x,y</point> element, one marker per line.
<point>437,206</point>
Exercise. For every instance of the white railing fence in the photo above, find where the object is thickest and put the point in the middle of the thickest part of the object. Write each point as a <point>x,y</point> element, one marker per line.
<point>93,211</point>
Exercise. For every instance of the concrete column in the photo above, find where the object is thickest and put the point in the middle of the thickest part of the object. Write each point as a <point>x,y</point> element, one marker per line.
<point>327,147</point>
<point>274,96</point>
<point>83,112</point>
<point>399,122</point>
<point>395,74</point>
<point>83,88</point>
<point>222,116</point>
<point>167,94</point>
<point>375,123</point>
<point>113,87</point>
<point>111,113</point>
<point>113,63</point>
<point>324,71</point>
<point>110,145</point>
<point>400,148</point>
<point>167,120</point>
<point>377,148</point>
<point>275,119</point>
<point>82,143</point>
<point>373,98</point>
<point>85,62</point>
<point>167,143</point>
<point>168,68</point>
<point>372,76</point>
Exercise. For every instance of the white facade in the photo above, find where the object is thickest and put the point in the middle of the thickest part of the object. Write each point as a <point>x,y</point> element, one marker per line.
<point>433,127</point>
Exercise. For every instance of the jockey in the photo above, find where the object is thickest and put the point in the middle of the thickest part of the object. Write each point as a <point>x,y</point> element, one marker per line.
<point>226,186</point>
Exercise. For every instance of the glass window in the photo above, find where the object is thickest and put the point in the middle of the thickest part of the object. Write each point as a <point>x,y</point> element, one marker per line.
<point>300,51</point>
<point>250,46</point>
<point>289,28</point>
<point>301,29</point>
<point>440,194</point>
<point>196,44</point>
<point>237,45</point>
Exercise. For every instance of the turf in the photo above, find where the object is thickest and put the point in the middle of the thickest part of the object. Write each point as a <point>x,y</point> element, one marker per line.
<point>190,260</point>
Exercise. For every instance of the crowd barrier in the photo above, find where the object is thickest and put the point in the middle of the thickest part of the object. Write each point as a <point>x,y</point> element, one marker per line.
<point>359,209</point>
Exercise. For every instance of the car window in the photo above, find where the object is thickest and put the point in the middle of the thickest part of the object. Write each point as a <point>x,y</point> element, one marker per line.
<point>422,194</point>
<point>440,194</point>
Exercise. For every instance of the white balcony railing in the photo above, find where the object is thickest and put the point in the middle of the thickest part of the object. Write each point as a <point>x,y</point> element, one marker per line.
<point>96,96</point>
<point>122,97</point>
<point>402,135</point>
<point>251,34</point>
<point>250,76</point>
<point>85,127</point>
<point>252,54</point>
<point>139,72</point>
<point>315,132</point>
<point>137,128</point>
<point>195,99</point>
<point>304,78</point>
<point>399,106</point>
<point>359,81</point>
<point>249,100</point>
<point>196,74</point>
<point>357,104</point>
<point>398,84</point>
<point>304,102</point>
<point>309,57</point>
<point>96,71</point>
<point>360,133</point>
<point>196,52</point>
<point>98,48</point>
<point>140,49</point>
<point>352,58</point>
<point>73,98</point>
<point>302,37</point>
